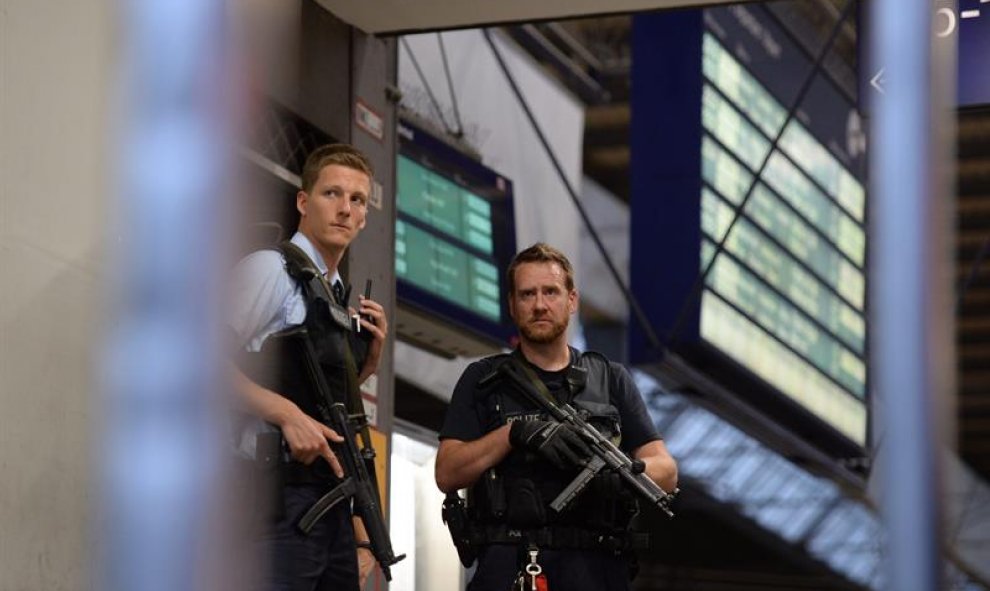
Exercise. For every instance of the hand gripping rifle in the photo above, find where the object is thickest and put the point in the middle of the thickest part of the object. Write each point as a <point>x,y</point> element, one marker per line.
<point>359,477</point>
<point>605,455</point>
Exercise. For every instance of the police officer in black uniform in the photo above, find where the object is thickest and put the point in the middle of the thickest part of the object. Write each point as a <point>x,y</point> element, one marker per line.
<point>515,460</point>
<point>278,291</point>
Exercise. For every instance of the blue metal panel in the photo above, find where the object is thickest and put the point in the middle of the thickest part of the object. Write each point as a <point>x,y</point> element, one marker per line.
<point>665,139</point>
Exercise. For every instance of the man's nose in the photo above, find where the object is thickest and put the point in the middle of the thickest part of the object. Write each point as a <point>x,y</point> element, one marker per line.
<point>345,206</point>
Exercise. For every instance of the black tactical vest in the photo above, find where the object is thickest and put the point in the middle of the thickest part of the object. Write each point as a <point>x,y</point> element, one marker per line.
<point>518,491</point>
<point>280,364</point>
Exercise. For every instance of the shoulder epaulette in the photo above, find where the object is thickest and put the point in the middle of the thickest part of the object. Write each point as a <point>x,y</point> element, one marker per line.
<point>495,362</point>
<point>593,355</point>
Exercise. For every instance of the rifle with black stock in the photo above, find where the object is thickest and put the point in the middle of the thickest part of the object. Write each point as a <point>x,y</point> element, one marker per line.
<point>605,455</point>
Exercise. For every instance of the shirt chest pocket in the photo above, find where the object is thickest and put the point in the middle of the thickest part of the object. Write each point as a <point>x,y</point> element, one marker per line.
<point>294,310</point>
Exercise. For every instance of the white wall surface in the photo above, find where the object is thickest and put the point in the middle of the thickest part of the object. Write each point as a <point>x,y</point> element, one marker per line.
<point>611,219</point>
<point>55,62</point>
<point>496,126</point>
<point>415,523</point>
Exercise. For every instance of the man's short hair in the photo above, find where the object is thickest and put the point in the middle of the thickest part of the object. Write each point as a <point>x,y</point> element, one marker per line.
<point>340,154</point>
<point>540,252</point>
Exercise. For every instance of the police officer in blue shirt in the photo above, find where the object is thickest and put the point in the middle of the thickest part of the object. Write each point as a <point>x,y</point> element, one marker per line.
<point>333,205</point>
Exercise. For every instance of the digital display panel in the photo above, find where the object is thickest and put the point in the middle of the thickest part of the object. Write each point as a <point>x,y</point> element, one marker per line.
<point>442,268</point>
<point>454,235</point>
<point>445,206</point>
<point>785,298</point>
<point>779,320</point>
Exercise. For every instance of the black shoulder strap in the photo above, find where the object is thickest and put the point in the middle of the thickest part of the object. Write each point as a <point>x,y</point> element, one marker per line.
<point>589,359</point>
<point>494,375</point>
<point>302,268</point>
<point>596,371</point>
<point>519,364</point>
<point>585,366</point>
<point>315,286</point>
<point>588,356</point>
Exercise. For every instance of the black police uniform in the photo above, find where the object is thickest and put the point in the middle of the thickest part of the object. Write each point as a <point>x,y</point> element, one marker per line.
<point>509,505</point>
<point>325,559</point>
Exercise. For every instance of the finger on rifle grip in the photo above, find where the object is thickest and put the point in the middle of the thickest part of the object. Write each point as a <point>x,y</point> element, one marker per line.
<point>330,434</point>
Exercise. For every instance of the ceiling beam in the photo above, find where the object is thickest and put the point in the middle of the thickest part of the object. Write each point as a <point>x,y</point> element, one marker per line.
<point>403,16</point>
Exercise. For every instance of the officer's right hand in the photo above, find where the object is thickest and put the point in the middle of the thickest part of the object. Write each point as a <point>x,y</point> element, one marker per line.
<point>557,443</point>
<point>308,439</point>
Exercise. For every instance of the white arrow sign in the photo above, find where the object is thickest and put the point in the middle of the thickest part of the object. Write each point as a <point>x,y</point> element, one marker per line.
<point>877,81</point>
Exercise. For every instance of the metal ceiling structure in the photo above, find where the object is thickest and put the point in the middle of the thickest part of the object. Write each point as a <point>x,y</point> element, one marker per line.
<point>832,524</point>
<point>402,16</point>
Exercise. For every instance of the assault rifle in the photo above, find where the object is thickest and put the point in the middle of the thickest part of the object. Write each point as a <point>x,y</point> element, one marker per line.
<point>605,455</point>
<point>358,463</point>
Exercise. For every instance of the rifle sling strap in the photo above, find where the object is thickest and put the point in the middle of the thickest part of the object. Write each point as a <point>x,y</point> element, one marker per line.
<point>518,363</point>
<point>315,287</point>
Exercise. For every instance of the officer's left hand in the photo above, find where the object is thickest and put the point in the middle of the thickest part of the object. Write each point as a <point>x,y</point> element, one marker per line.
<point>366,564</point>
<point>379,330</point>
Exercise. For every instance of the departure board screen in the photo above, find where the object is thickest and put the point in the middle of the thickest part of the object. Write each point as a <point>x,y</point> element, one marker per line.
<point>441,267</point>
<point>785,296</point>
<point>453,235</point>
<point>443,205</point>
<point>773,207</point>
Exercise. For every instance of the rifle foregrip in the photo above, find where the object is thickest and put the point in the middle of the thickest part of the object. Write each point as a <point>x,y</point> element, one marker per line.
<point>580,482</point>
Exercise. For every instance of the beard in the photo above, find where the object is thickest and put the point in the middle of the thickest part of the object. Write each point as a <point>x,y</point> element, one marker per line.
<point>542,334</point>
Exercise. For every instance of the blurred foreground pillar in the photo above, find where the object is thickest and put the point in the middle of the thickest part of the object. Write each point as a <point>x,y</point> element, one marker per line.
<point>161,433</point>
<point>911,284</point>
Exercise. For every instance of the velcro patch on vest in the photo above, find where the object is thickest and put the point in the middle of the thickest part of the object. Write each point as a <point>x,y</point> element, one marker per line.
<point>524,416</point>
<point>340,315</point>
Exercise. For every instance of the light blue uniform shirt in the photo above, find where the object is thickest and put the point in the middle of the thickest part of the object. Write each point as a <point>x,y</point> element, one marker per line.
<point>266,300</point>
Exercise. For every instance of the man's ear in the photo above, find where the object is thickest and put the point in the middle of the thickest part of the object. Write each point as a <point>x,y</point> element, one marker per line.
<point>301,201</point>
<point>572,301</point>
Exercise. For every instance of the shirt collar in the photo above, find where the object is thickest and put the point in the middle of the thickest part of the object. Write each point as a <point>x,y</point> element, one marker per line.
<point>300,240</point>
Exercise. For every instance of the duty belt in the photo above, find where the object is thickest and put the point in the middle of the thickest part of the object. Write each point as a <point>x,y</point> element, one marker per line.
<point>561,537</point>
